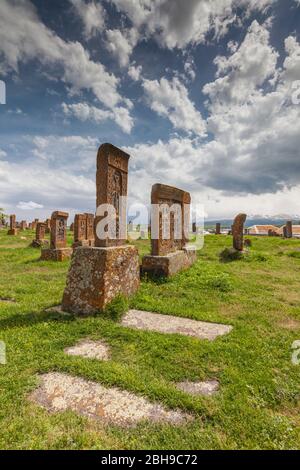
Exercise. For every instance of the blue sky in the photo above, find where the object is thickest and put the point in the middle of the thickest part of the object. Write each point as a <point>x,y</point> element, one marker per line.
<point>203,94</point>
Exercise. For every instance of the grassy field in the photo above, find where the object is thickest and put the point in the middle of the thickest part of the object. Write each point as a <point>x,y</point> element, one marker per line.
<point>258,403</point>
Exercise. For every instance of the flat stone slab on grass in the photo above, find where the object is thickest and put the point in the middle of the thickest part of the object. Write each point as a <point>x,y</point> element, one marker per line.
<point>89,349</point>
<point>207,388</point>
<point>169,324</point>
<point>60,392</point>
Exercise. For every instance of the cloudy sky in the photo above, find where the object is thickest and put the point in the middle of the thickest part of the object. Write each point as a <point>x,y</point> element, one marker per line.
<point>204,95</point>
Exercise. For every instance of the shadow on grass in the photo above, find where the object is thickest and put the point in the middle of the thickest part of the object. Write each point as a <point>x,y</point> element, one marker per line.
<point>31,319</point>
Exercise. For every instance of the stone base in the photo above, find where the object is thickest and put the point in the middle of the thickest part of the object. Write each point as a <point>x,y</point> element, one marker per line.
<point>59,254</point>
<point>84,244</point>
<point>98,275</point>
<point>170,264</point>
<point>80,244</point>
<point>39,243</point>
<point>14,231</point>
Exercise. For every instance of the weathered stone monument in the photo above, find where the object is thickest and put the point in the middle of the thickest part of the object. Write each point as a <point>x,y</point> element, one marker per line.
<point>284,232</point>
<point>12,226</point>
<point>289,229</point>
<point>72,227</point>
<point>80,231</point>
<point>84,230</point>
<point>170,220</point>
<point>23,225</point>
<point>48,225</point>
<point>90,235</point>
<point>58,250</point>
<point>40,233</point>
<point>238,232</point>
<point>98,274</point>
<point>218,229</point>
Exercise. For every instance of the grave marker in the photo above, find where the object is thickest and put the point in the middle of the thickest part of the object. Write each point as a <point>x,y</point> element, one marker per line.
<point>98,274</point>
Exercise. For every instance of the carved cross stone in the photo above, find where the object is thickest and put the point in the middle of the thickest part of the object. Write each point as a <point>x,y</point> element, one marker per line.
<point>111,183</point>
<point>90,227</point>
<point>40,231</point>
<point>174,215</point>
<point>59,230</point>
<point>79,227</point>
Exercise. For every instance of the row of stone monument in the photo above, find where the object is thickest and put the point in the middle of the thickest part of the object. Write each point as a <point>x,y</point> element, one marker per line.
<point>102,268</point>
<point>15,226</point>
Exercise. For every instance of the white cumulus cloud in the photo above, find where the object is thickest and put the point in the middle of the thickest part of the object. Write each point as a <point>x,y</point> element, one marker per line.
<point>170,99</point>
<point>92,16</point>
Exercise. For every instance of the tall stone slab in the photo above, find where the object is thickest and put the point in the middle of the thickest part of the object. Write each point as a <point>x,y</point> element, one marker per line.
<point>289,229</point>
<point>111,184</point>
<point>218,229</point>
<point>80,231</point>
<point>40,238</point>
<point>58,250</point>
<point>90,234</point>
<point>48,225</point>
<point>170,218</point>
<point>238,232</point>
<point>98,274</point>
<point>12,225</point>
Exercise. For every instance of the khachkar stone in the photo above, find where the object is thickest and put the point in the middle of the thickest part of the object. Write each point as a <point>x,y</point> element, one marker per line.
<point>84,230</point>
<point>58,250</point>
<point>170,220</point>
<point>12,225</point>
<point>80,231</point>
<point>90,235</point>
<point>98,274</point>
<point>23,225</point>
<point>285,232</point>
<point>72,227</point>
<point>289,229</point>
<point>40,232</point>
<point>238,232</point>
<point>48,225</point>
<point>111,186</point>
<point>218,229</point>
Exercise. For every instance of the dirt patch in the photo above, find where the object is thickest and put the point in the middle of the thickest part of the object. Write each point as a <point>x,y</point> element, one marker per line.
<point>289,324</point>
<point>207,388</point>
<point>90,349</point>
<point>169,324</point>
<point>60,392</point>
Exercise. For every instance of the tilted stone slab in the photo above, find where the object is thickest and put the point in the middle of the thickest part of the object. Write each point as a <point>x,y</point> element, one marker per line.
<point>169,324</point>
<point>60,392</point>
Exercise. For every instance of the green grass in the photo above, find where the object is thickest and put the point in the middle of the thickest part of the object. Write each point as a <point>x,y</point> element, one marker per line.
<point>258,404</point>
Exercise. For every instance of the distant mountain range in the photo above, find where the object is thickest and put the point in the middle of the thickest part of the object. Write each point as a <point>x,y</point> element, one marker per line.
<point>256,220</point>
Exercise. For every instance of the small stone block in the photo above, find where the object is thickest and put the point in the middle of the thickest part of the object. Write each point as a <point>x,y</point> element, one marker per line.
<point>59,254</point>
<point>97,275</point>
<point>170,264</point>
